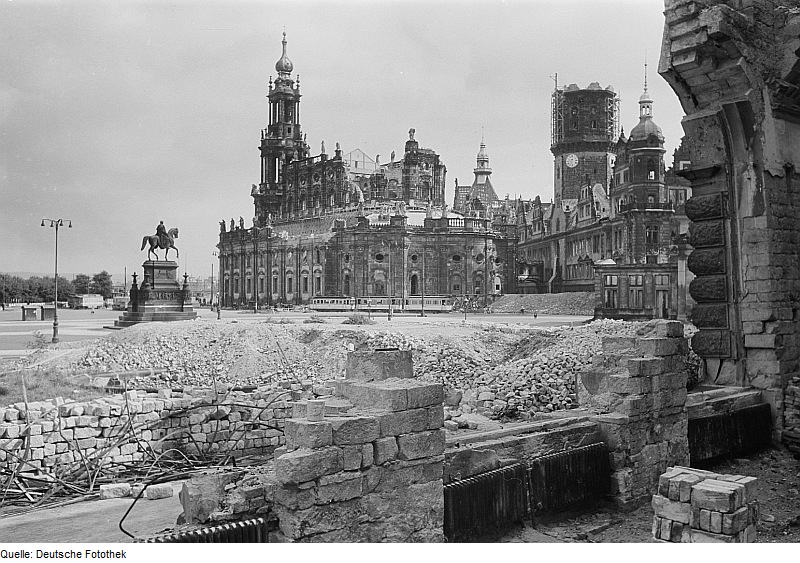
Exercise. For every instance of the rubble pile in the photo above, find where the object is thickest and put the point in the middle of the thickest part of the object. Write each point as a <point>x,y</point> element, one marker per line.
<point>574,303</point>
<point>500,369</point>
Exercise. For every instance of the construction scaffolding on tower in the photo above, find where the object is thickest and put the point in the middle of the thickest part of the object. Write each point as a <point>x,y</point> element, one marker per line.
<point>612,123</point>
<point>557,116</point>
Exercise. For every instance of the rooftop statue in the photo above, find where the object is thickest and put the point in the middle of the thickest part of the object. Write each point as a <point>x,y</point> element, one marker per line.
<point>162,239</point>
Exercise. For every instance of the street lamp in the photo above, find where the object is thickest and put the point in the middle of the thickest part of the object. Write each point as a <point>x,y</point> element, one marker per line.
<point>56,223</point>
<point>212,286</point>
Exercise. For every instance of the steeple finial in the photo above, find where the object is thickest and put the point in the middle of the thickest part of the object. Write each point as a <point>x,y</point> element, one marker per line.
<point>645,75</point>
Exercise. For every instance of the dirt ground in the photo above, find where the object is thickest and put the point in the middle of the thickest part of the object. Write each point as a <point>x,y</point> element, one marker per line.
<point>778,474</point>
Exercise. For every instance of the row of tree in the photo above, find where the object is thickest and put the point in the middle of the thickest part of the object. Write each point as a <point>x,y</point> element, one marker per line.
<point>14,289</point>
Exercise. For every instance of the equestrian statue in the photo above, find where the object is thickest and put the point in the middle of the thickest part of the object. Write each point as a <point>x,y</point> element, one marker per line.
<point>162,239</point>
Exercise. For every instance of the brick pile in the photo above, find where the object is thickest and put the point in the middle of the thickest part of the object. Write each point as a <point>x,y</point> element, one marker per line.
<point>639,386</point>
<point>696,506</point>
<point>372,475</point>
<point>791,416</point>
<point>58,435</point>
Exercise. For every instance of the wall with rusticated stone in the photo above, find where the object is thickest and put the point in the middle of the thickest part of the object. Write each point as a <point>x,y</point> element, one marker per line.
<point>735,68</point>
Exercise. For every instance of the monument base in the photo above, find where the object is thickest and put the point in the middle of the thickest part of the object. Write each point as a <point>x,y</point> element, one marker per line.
<point>160,297</point>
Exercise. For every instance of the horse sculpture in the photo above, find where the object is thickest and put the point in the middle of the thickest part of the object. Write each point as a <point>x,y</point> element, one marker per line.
<point>156,242</point>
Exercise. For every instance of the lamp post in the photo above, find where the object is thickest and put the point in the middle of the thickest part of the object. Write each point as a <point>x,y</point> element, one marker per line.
<point>212,286</point>
<point>56,223</point>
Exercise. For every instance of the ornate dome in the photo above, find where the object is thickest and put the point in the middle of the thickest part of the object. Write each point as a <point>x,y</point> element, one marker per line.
<point>284,65</point>
<point>646,126</point>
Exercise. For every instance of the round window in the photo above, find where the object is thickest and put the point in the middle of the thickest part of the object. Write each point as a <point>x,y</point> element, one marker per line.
<point>346,257</point>
<point>479,258</point>
<point>414,257</point>
<point>379,257</point>
<point>456,258</point>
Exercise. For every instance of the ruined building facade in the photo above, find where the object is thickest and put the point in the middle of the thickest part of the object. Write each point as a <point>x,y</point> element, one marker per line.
<point>346,225</point>
<point>735,68</point>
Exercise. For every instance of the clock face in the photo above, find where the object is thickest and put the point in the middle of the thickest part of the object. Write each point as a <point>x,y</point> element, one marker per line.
<point>572,160</point>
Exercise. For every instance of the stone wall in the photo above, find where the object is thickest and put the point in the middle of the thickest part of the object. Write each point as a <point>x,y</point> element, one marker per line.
<point>696,506</point>
<point>735,68</point>
<point>637,387</point>
<point>60,436</point>
<point>791,420</point>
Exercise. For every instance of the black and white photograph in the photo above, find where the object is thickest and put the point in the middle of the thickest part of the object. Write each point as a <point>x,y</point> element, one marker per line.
<point>495,272</point>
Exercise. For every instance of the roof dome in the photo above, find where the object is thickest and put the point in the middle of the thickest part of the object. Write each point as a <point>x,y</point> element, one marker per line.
<point>284,65</point>
<point>644,129</point>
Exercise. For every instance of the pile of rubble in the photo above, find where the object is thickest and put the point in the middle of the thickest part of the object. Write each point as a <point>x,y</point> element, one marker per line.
<point>500,369</point>
<point>574,303</point>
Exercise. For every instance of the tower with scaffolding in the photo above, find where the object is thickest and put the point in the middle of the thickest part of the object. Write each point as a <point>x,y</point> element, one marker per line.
<point>584,129</point>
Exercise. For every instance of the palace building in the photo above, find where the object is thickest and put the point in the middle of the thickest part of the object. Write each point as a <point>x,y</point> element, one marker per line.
<point>346,225</point>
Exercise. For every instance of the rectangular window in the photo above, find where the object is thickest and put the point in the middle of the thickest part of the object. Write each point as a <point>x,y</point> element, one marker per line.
<point>636,280</point>
<point>305,284</point>
<point>661,279</point>
<point>610,281</point>
<point>289,285</point>
<point>317,285</point>
<point>261,285</point>
<point>635,298</point>
<point>610,298</point>
<point>248,286</point>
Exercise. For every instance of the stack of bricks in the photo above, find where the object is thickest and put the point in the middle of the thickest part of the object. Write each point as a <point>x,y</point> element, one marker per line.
<point>373,474</point>
<point>791,416</point>
<point>56,434</point>
<point>696,506</point>
<point>639,385</point>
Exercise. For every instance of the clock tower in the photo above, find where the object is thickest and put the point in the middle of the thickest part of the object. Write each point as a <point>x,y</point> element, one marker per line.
<point>584,129</point>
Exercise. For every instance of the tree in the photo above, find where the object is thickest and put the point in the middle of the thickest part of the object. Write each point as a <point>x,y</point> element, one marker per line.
<point>81,284</point>
<point>101,283</point>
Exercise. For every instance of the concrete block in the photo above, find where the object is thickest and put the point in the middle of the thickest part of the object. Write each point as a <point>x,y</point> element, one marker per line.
<point>115,490</point>
<point>672,510</point>
<point>420,444</point>
<point>354,430</point>
<point>306,465</point>
<point>385,449</point>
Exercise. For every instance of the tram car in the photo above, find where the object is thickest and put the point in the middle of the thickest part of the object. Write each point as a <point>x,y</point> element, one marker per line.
<point>414,304</point>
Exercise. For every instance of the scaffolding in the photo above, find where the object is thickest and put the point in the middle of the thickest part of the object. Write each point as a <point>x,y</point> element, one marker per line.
<point>557,117</point>
<point>612,122</point>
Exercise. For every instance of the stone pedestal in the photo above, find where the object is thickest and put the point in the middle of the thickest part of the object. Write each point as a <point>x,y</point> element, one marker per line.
<point>159,298</point>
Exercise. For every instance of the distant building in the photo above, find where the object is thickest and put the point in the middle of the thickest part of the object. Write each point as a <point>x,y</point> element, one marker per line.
<point>345,224</point>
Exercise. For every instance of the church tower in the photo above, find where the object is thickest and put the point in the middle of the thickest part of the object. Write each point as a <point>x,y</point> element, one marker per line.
<point>282,141</point>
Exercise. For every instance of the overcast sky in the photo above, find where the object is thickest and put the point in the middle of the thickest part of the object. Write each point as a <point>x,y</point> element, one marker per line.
<point>119,114</point>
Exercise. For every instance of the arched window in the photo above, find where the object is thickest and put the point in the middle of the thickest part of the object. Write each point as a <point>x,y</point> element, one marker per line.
<point>346,290</point>
<point>415,285</point>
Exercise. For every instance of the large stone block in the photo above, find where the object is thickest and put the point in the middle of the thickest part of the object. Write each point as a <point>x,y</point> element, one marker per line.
<point>710,315</point>
<point>712,343</point>
<point>425,395</point>
<point>707,233</point>
<point>306,465</point>
<point>115,490</point>
<point>404,422</point>
<point>354,430</point>
<point>707,261</point>
<point>709,288</point>
<point>339,487</point>
<point>420,444</point>
<point>662,346</point>
<point>718,496</point>
<point>378,365</point>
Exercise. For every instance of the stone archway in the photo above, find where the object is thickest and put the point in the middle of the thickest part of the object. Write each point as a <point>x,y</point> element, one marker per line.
<point>734,66</point>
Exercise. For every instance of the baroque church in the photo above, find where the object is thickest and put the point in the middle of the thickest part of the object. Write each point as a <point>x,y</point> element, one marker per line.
<point>344,225</point>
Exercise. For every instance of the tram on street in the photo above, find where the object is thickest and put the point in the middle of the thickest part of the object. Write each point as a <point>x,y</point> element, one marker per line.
<point>412,303</point>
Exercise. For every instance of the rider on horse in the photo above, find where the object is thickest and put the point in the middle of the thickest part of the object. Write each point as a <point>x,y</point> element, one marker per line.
<point>163,237</point>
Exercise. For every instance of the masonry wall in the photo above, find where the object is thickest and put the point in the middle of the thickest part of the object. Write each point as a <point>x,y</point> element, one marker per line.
<point>59,436</point>
<point>637,387</point>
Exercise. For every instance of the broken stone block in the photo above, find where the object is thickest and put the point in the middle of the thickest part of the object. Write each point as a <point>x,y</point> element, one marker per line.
<point>115,490</point>
<point>302,433</point>
<point>306,465</point>
<point>354,430</point>
<point>159,491</point>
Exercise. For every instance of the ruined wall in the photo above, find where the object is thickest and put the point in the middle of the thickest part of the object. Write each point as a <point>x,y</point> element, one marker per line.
<point>734,66</point>
<point>638,388</point>
<point>58,436</point>
<point>791,401</point>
